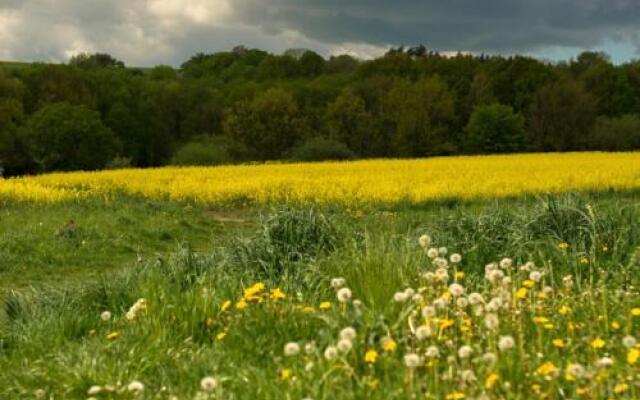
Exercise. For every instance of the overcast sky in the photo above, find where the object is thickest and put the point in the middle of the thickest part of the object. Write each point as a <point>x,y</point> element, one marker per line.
<point>150,32</point>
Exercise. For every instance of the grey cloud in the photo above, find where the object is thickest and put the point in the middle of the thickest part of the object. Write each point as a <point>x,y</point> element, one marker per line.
<point>52,29</point>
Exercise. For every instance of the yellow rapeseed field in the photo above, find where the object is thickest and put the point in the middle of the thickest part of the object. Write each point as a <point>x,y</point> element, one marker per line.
<point>346,182</point>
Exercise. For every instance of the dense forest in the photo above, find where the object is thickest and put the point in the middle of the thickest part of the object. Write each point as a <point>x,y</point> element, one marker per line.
<point>249,105</point>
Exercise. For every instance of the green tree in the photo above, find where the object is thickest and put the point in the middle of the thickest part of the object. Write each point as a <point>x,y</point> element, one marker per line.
<point>270,124</point>
<point>12,159</point>
<point>561,116</point>
<point>349,122</point>
<point>62,136</point>
<point>421,114</point>
<point>616,133</point>
<point>493,129</point>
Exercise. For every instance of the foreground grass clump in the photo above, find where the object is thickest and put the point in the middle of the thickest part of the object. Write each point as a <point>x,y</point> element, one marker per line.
<point>535,300</point>
<point>350,183</point>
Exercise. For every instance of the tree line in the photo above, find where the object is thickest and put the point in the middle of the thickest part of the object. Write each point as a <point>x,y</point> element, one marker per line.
<point>248,105</point>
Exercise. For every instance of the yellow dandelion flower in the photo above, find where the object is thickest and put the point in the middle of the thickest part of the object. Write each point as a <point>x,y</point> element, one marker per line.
<point>325,305</point>
<point>285,374</point>
<point>546,369</point>
<point>308,310</point>
<point>92,332</point>
<point>242,304</point>
<point>635,312</point>
<point>446,323</point>
<point>563,245</point>
<point>615,325</point>
<point>584,260</point>
<point>491,380</point>
<point>254,289</point>
<point>536,388</point>
<point>277,294</point>
<point>225,305</point>
<point>371,356</point>
<point>459,275</point>
<point>540,320</point>
<point>633,355</point>
<point>455,396</point>
<point>581,391</point>
<point>597,343</point>
<point>620,388</point>
<point>221,335</point>
<point>113,335</point>
<point>564,310</point>
<point>528,283</point>
<point>549,326</point>
<point>389,345</point>
<point>522,293</point>
<point>559,343</point>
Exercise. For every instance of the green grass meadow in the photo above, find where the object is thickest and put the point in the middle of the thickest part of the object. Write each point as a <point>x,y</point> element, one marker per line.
<point>62,266</point>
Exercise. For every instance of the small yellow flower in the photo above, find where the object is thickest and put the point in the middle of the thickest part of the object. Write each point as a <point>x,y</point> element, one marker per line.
<point>113,335</point>
<point>581,391</point>
<point>528,283</point>
<point>559,343</point>
<point>635,312</point>
<point>225,305</point>
<point>584,260</point>
<point>564,310</point>
<point>546,369</point>
<point>325,305</point>
<point>445,323</point>
<point>536,388</point>
<point>254,289</point>
<point>389,345</point>
<point>308,310</point>
<point>563,245</point>
<point>597,343</point>
<point>285,374</point>
<point>620,388</point>
<point>632,356</point>
<point>209,322</point>
<point>615,325</point>
<point>371,356</point>
<point>459,275</point>
<point>277,294</point>
<point>242,304</point>
<point>491,380</point>
<point>92,332</point>
<point>540,320</point>
<point>455,396</point>
<point>522,293</point>
<point>220,336</point>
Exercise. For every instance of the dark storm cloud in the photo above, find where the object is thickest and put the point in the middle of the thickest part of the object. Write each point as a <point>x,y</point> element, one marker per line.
<point>146,32</point>
<point>492,25</point>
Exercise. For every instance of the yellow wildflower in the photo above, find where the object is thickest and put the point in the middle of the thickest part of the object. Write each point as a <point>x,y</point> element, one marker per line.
<point>308,310</point>
<point>221,335</point>
<point>389,345</point>
<point>635,312</point>
<point>253,290</point>
<point>522,293</point>
<point>209,322</point>
<point>445,323</point>
<point>564,310</point>
<point>632,356</point>
<point>581,391</point>
<point>225,305</point>
<point>540,320</point>
<point>277,294</point>
<point>455,396</point>
<point>459,275</point>
<point>559,343</point>
<point>241,304</point>
<point>563,245</point>
<point>491,380</point>
<point>113,335</point>
<point>615,325</point>
<point>620,388</point>
<point>584,260</point>
<point>325,305</point>
<point>528,283</point>
<point>371,356</point>
<point>285,374</point>
<point>546,369</point>
<point>597,343</point>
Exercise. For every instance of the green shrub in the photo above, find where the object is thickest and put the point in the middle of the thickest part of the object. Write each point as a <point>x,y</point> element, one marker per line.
<point>209,150</point>
<point>287,236</point>
<point>321,149</point>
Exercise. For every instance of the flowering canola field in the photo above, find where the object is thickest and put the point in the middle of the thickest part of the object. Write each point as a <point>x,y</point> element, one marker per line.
<point>387,181</point>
